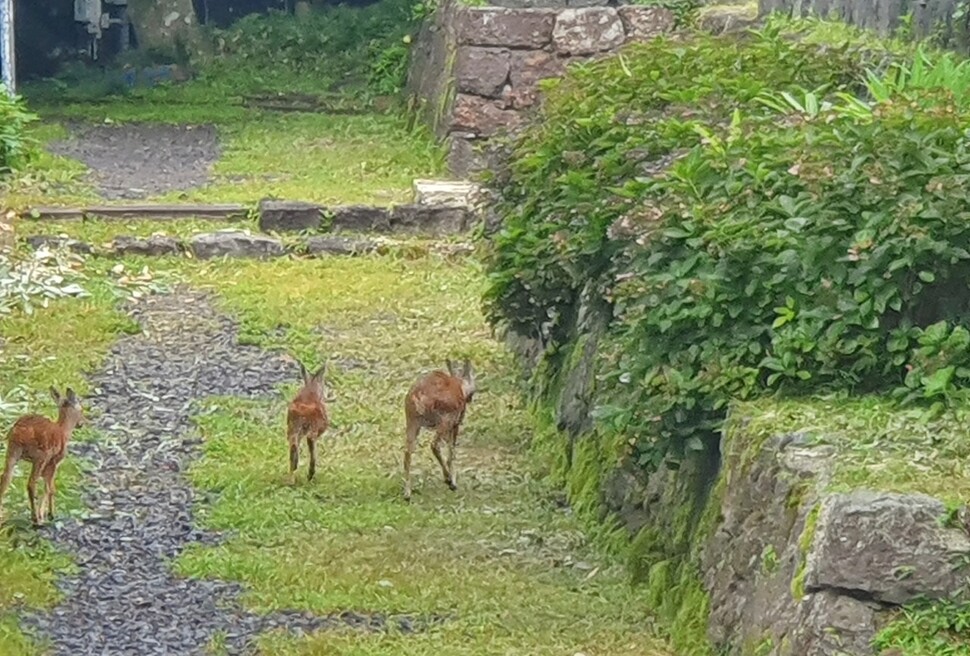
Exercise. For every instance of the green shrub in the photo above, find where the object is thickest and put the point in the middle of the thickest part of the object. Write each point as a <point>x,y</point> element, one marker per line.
<point>609,123</point>
<point>14,145</point>
<point>826,248</point>
<point>332,47</point>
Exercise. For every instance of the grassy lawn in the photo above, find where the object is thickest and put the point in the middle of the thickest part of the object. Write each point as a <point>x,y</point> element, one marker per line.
<point>881,446</point>
<point>508,567</point>
<point>54,347</point>
<point>498,557</point>
<point>325,158</point>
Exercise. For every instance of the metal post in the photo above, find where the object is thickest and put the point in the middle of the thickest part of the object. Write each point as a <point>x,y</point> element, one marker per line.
<point>6,46</point>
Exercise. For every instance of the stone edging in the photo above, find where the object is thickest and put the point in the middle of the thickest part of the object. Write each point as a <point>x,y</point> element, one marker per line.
<point>235,243</point>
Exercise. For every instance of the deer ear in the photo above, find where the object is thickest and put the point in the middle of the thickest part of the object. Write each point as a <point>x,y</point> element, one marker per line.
<point>451,367</point>
<point>466,369</point>
<point>321,373</point>
<point>71,396</point>
<point>55,395</point>
<point>303,372</point>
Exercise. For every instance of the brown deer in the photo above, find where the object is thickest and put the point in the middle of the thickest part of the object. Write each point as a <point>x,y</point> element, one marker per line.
<point>306,418</point>
<point>43,443</point>
<point>437,401</point>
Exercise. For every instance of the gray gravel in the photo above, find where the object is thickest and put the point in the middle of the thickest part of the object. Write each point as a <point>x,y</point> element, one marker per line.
<point>137,160</point>
<point>124,598</point>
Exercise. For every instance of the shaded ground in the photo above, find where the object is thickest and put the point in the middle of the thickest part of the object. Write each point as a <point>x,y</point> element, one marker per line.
<point>138,160</point>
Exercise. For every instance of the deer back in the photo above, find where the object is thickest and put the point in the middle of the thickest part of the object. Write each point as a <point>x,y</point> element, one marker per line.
<point>309,405</point>
<point>436,397</point>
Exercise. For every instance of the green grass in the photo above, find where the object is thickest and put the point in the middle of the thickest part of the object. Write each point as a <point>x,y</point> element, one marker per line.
<point>101,232</point>
<point>495,555</point>
<point>331,159</point>
<point>54,347</point>
<point>880,446</point>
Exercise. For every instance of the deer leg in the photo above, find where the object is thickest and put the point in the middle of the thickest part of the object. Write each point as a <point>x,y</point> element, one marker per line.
<point>50,489</point>
<point>453,483</point>
<point>436,450</point>
<point>294,458</point>
<point>410,443</point>
<point>13,455</point>
<point>32,494</point>
<point>312,446</point>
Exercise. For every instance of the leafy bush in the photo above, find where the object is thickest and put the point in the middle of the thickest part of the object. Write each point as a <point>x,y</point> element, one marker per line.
<point>615,121</point>
<point>14,118</point>
<point>826,248</point>
<point>332,47</point>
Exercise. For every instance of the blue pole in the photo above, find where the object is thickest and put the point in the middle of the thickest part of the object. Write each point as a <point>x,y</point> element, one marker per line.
<point>9,76</point>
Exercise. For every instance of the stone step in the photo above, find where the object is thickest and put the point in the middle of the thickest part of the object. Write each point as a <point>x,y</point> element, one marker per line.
<point>148,211</point>
<point>236,243</point>
<point>458,193</point>
<point>439,207</point>
<point>414,219</point>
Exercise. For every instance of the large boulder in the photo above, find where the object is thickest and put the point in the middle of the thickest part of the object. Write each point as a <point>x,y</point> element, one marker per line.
<point>891,548</point>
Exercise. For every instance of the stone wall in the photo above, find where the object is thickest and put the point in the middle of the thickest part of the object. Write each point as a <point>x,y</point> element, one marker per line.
<point>883,16</point>
<point>475,70</point>
<point>788,565</point>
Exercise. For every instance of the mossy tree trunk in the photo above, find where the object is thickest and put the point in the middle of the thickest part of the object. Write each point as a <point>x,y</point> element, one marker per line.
<point>165,25</point>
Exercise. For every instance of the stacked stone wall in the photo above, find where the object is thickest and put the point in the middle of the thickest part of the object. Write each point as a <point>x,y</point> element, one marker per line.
<point>476,70</point>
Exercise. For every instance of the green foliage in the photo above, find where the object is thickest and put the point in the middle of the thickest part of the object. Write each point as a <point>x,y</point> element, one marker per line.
<point>333,47</point>
<point>607,124</point>
<point>14,145</point>
<point>927,71</point>
<point>353,51</point>
<point>684,11</point>
<point>938,628</point>
<point>826,248</point>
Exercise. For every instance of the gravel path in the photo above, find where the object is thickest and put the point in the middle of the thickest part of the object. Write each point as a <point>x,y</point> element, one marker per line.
<point>123,598</point>
<point>137,160</point>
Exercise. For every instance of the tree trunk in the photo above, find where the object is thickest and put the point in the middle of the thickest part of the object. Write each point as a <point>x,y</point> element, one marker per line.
<point>165,25</point>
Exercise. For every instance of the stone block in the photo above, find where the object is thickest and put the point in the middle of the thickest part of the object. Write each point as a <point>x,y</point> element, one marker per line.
<point>830,624</point>
<point>453,193</point>
<point>331,245</point>
<point>481,117</point>
<point>482,71</point>
<point>587,31</point>
<point>645,23</point>
<point>361,218</point>
<point>886,547</point>
<point>429,220</point>
<point>49,241</point>
<point>528,67</point>
<point>154,245</point>
<point>235,243</point>
<point>288,216</point>
<point>510,28</point>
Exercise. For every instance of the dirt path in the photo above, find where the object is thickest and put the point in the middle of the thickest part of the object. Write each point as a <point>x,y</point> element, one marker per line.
<point>124,598</point>
<point>138,160</point>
